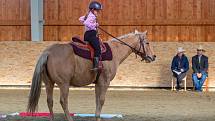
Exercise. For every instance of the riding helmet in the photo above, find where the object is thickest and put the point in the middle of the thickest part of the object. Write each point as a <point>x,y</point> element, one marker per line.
<point>95,5</point>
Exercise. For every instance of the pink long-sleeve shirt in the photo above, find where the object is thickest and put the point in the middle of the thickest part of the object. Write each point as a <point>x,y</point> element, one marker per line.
<point>90,23</point>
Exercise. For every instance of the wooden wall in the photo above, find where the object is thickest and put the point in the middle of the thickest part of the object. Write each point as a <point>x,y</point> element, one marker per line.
<point>15,20</point>
<point>165,20</point>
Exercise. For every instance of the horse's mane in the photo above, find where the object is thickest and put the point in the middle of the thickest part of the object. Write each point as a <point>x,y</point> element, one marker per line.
<point>122,37</point>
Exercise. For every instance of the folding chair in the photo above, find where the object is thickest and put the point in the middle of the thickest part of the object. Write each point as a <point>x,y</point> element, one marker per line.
<point>205,85</point>
<point>174,83</point>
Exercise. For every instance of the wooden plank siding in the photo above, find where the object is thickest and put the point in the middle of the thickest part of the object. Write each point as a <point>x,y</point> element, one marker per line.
<point>165,20</point>
<point>14,20</point>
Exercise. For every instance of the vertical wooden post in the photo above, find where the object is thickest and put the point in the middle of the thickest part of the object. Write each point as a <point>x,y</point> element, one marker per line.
<point>37,20</point>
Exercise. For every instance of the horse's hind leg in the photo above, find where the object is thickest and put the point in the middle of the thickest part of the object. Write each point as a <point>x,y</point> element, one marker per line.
<point>49,92</point>
<point>64,92</point>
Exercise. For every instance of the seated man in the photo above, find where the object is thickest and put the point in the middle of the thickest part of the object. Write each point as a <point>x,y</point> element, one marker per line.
<point>180,66</point>
<point>200,68</point>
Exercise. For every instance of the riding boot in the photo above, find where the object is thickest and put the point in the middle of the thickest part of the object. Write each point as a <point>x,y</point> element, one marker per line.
<point>95,64</point>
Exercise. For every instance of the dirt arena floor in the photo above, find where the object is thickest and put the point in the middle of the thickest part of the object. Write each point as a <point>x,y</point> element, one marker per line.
<point>139,105</point>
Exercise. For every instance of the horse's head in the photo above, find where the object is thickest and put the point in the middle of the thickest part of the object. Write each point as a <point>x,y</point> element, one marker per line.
<point>144,49</point>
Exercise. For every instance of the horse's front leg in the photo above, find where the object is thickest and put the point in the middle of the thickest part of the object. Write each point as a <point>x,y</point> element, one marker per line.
<point>100,91</point>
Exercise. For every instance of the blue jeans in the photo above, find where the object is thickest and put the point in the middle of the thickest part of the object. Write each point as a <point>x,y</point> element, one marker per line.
<point>198,82</point>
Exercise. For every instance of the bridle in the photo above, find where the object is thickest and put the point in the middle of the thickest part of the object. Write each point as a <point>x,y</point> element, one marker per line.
<point>138,52</point>
<point>142,53</point>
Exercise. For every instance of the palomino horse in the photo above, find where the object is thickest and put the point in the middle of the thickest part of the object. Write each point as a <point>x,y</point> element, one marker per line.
<point>59,65</point>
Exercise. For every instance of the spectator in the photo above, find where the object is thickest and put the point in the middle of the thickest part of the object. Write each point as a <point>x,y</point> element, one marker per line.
<point>200,68</point>
<point>180,66</point>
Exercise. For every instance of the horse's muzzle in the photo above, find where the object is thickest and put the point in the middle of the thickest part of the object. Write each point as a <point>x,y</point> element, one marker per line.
<point>149,59</point>
<point>153,58</point>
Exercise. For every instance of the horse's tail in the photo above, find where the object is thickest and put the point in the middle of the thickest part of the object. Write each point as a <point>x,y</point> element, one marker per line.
<point>39,73</point>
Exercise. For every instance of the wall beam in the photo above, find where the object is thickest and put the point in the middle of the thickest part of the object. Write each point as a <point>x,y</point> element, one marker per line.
<point>37,20</point>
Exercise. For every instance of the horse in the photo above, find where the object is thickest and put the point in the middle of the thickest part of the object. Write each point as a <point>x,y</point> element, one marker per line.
<point>59,65</point>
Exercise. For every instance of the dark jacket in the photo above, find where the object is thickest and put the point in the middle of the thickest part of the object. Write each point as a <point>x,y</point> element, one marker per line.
<point>180,63</point>
<point>200,67</point>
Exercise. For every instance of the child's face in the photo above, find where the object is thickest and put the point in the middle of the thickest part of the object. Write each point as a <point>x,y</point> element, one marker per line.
<point>96,12</point>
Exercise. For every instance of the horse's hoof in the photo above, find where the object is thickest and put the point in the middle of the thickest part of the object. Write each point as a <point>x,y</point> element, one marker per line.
<point>51,118</point>
<point>70,119</point>
<point>98,119</point>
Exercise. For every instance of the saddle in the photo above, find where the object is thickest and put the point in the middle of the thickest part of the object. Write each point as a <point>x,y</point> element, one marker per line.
<point>85,50</point>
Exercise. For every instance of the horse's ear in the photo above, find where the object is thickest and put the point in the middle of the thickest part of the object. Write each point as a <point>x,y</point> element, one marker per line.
<point>136,32</point>
<point>145,33</point>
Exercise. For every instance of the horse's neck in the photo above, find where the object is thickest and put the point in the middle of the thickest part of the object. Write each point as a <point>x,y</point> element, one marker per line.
<point>121,51</point>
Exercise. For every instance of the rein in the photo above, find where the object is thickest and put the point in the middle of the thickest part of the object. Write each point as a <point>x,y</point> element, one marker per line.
<point>137,52</point>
